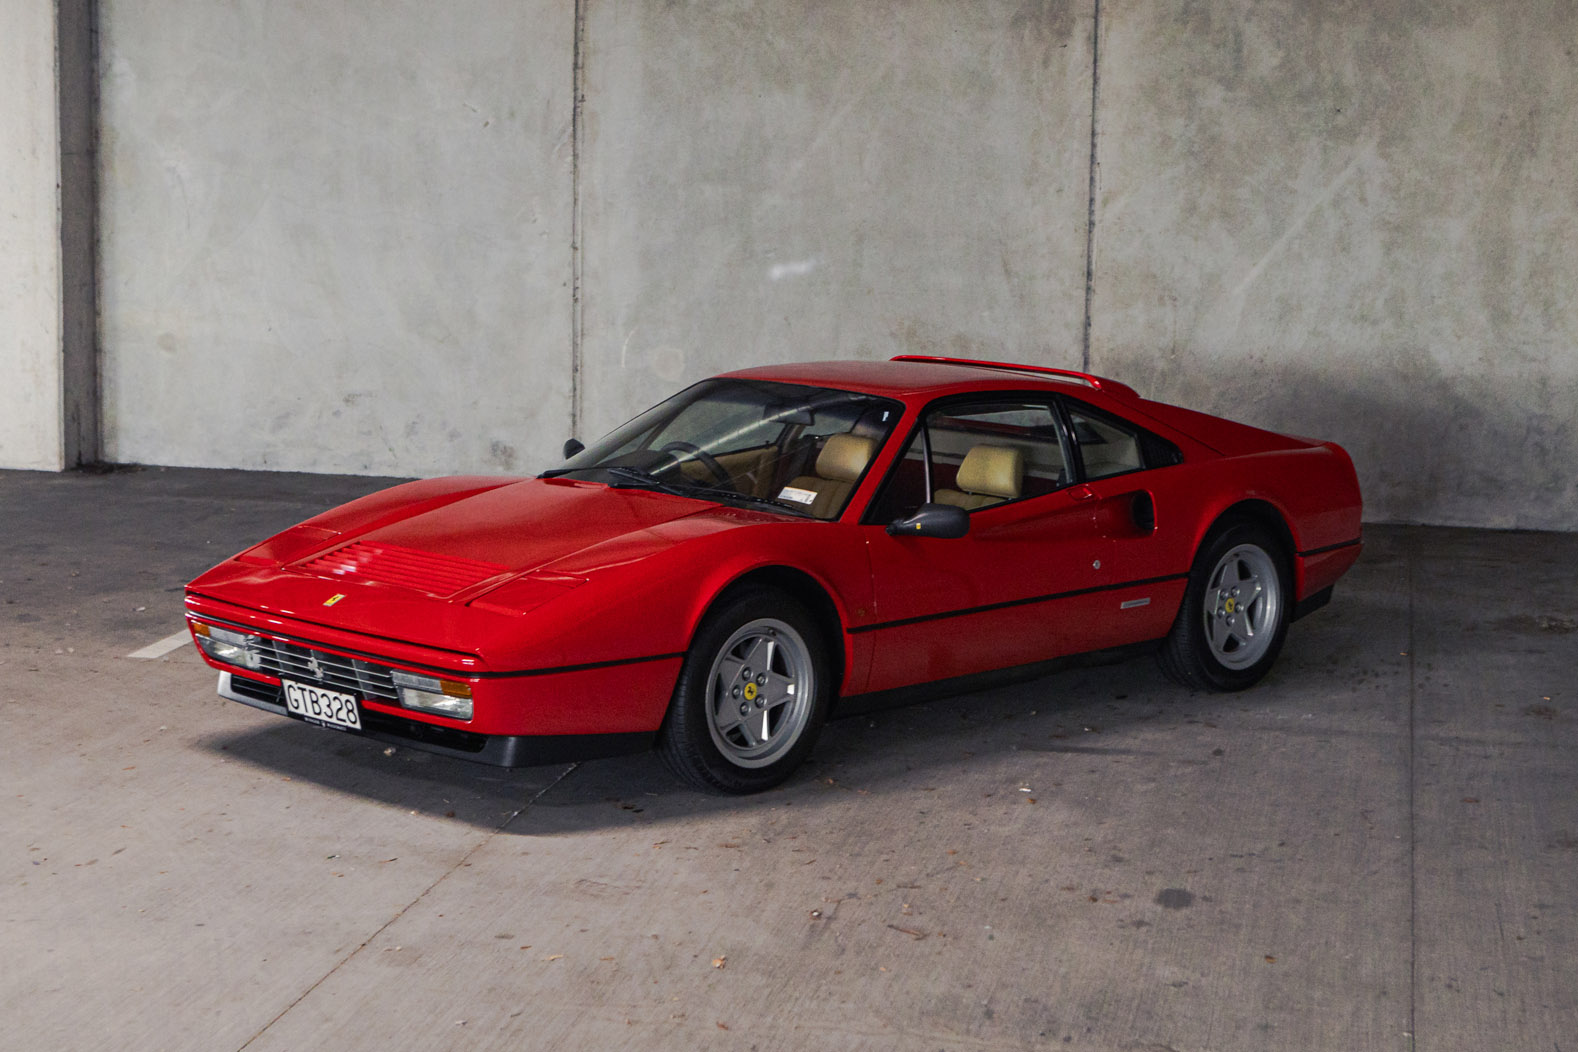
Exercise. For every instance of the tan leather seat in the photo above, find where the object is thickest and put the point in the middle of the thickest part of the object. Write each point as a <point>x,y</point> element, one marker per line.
<point>838,468</point>
<point>988,475</point>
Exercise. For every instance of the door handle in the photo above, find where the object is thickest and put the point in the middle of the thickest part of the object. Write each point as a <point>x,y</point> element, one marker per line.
<point>1082,492</point>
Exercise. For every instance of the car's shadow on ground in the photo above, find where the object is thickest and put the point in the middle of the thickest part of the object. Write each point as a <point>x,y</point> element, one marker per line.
<point>1078,712</point>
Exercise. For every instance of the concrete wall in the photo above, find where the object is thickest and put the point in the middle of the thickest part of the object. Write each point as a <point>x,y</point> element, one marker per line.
<point>30,275</point>
<point>343,241</point>
<point>336,237</point>
<point>794,180</point>
<point>1359,221</point>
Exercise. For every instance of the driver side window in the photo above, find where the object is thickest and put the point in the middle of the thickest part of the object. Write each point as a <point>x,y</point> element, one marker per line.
<point>977,455</point>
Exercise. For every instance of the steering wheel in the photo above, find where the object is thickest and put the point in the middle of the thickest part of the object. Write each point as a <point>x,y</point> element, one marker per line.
<point>719,475</point>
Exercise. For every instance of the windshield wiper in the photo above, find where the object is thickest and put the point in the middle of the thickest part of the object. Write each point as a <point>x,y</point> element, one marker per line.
<point>648,480</point>
<point>723,493</point>
<point>645,479</point>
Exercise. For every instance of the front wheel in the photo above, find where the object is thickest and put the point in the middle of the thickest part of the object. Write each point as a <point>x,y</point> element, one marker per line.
<point>751,697</point>
<point>1235,612</point>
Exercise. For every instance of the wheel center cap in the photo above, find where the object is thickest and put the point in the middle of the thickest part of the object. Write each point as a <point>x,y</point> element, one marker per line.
<point>750,692</point>
<point>1231,605</point>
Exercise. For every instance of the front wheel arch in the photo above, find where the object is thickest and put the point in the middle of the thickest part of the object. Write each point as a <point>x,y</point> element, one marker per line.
<point>773,651</point>
<point>805,589</point>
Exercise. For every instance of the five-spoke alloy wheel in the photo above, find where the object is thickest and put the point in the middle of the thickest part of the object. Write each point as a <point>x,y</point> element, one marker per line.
<point>761,689</point>
<point>1234,614</point>
<point>751,697</point>
<point>1243,606</point>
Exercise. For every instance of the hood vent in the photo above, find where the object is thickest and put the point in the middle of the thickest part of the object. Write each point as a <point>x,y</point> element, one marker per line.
<point>437,575</point>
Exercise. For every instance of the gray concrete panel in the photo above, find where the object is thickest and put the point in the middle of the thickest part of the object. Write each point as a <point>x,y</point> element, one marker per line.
<point>1497,791</point>
<point>30,275</point>
<point>1356,221</point>
<point>780,182</point>
<point>336,237</point>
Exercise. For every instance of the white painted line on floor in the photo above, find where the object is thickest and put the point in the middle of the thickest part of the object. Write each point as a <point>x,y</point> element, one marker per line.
<point>163,647</point>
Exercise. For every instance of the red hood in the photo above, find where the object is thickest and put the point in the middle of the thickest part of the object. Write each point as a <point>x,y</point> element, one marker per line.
<point>516,528</point>
<point>485,556</point>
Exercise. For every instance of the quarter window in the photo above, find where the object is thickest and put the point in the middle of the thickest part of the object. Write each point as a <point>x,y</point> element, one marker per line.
<point>1106,447</point>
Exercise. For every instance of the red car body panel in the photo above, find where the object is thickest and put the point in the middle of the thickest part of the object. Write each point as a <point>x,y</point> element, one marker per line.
<point>568,606</point>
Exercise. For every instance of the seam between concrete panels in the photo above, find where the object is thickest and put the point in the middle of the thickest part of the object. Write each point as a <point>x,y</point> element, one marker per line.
<point>1411,554</point>
<point>1090,200</point>
<point>77,125</point>
<point>577,141</point>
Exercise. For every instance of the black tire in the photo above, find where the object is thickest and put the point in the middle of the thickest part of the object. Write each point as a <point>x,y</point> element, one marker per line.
<point>763,655</point>
<point>1235,611</point>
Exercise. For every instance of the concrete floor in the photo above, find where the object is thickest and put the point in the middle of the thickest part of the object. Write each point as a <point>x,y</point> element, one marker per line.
<point>1377,848</point>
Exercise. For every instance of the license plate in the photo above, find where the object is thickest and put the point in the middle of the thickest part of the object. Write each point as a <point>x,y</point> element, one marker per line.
<point>323,706</point>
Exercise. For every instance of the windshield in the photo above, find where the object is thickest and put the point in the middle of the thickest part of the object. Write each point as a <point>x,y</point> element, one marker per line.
<point>785,447</point>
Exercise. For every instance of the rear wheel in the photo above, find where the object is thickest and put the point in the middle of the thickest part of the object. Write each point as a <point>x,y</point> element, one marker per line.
<point>751,697</point>
<point>1235,612</point>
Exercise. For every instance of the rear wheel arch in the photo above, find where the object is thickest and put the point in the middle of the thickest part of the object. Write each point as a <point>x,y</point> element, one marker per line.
<point>1267,516</point>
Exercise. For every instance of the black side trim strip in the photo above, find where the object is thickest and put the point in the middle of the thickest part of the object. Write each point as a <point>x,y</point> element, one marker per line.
<point>1329,548</point>
<point>901,622</point>
<point>385,659</point>
<point>856,704</point>
<point>588,666</point>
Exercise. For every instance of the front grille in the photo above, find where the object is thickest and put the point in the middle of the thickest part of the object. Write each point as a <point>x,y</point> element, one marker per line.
<point>257,691</point>
<point>293,661</point>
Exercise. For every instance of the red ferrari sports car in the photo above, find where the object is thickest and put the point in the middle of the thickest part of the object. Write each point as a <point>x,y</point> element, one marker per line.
<point>720,574</point>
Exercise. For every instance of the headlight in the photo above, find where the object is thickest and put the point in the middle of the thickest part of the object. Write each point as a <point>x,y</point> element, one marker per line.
<point>233,648</point>
<point>443,697</point>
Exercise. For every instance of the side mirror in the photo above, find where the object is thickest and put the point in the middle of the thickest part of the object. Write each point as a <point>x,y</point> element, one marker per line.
<point>933,520</point>
<point>572,446</point>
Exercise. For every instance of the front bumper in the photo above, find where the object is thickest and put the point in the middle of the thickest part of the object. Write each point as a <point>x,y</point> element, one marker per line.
<point>499,750</point>
<point>519,717</point>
